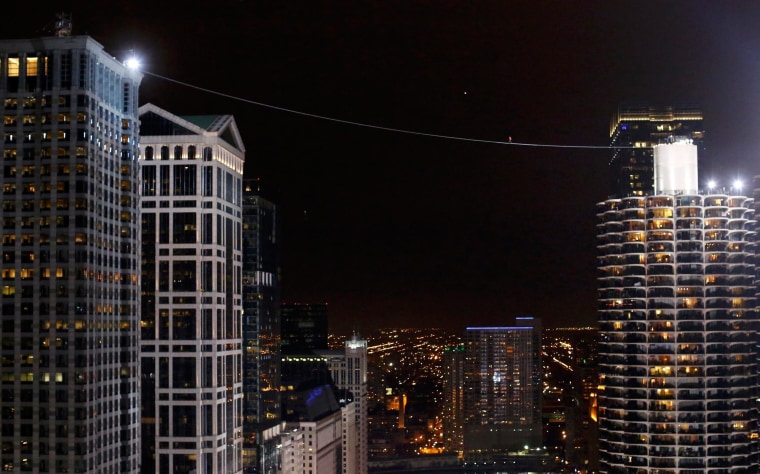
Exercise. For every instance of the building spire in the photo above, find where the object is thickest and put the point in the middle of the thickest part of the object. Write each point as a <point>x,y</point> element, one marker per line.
<point>62,24</point>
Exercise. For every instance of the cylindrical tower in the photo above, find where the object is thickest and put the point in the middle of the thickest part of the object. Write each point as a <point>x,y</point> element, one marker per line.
<point>675,167</point>
<point>678,332</point>
<point>678,327</point>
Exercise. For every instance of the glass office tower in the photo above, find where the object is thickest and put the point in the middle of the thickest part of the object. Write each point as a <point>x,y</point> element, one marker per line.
<point>678,326</point>
<point>70,258</point>
<point>191,347</point>
<point>635,129</point>
<point>261,333</point>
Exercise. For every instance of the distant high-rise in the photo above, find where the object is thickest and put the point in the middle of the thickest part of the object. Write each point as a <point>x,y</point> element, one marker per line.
<point>303,327</point>
<point>348,368</point>
<point>678,326</point>
<point>317,415</point>
<point>261,333</point>
<point>636,129</point>
<point>70,257</point>
<point>191,347</point>
<point>453,403</point>
<point>502,389</point>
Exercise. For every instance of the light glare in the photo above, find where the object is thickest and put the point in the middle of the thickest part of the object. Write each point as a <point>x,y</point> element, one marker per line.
<point>132,63</point>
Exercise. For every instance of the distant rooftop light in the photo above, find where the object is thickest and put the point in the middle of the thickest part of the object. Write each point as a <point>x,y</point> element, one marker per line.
<point>738,184</point>
<point>711,184</point>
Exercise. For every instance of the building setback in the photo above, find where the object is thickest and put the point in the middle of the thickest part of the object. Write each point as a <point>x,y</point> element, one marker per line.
<point>678,326</point>
<point>191,347</point>
<point>70,257</point>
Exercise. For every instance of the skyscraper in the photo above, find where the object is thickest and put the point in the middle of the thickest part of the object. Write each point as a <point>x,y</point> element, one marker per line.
<point>303,327</point>
<point>678,326</point>
<point>502,389</point>
<point>348,368</point>
<point>636,129</point>
<point>191,347</point>
<point>261,333</point>
<point>453,388</point>
<point>70,311</point>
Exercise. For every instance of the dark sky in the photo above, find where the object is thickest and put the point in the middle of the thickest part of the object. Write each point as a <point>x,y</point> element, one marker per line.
<point>398,229</point>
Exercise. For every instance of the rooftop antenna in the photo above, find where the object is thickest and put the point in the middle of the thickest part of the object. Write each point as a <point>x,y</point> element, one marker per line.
<point>62,25</point>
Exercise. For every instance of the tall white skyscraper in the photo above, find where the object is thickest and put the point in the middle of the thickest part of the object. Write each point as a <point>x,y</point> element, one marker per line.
<point>69,397</point>
<point>191,347</point>
<point>678,326</point>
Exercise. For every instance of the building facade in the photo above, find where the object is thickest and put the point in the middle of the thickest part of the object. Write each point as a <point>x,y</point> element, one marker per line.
<point>678,326</point>
<point>635,130</point>
<point>191,346</point>
<point>502,390</point>
<point>71,251</point>
<point>303,327</point>
<point>348,369</point>
<point>453,398</point>
<point>261,332</point>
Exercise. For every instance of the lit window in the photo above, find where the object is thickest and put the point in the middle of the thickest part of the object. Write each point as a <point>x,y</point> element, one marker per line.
<point>13,64</point>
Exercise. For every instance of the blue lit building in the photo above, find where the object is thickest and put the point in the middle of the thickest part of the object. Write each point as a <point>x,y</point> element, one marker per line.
<point>502,390</point>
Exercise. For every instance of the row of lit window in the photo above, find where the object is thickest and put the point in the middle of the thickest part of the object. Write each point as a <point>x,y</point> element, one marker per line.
<point>63,169</point>
<point>46,118</point>
<point>45,152</point>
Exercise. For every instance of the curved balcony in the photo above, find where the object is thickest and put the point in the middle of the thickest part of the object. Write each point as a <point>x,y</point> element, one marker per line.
<point>662,417</point>
<point>717,314</point>
<point>696,463</point>
<point>658,201</point>
<point>684,394</point>
<point>689,203</point>
<point>716,269</point>
<point>690,337</point>
<point>632,247</point>
<point>718,303</point>
<point>719,326</point>
<point>689,314</point>
<point>691,280</point>
<point>718,382</point>
<point>689,325</point>
<point>690,382</point>
<point>609,282</point>
<point>633,270</point>
<point>633,281</point>
<point>691,418</point>
<point>661,292</point>
<point>660,451</point>
<point>659,240</point>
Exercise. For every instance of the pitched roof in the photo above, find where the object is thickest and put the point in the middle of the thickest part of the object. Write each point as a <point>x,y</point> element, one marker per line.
<point>155,121</point>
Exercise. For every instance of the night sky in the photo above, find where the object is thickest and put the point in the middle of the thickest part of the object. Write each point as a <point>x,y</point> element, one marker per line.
<point>405,229</point>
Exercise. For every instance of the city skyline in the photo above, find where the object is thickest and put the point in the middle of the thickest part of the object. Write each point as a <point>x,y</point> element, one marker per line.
<point>397,228</point>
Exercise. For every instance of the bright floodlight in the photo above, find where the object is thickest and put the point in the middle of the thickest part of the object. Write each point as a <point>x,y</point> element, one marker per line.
<point>738,184</point>
<point>132,63</point>
<point>711,184</point>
